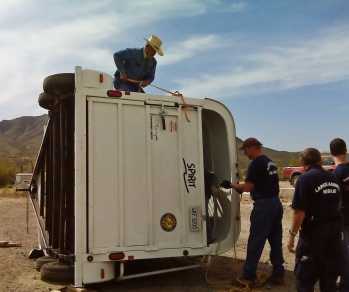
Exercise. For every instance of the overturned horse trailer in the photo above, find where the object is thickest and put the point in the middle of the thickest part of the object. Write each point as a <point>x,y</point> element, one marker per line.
<point>123,177</point>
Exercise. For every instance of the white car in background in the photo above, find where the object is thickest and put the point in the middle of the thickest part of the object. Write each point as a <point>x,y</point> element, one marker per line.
<point>22,182</point>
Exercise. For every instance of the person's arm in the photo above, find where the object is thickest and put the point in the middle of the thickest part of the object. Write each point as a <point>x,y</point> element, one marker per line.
<point>120,59</point>
<point>249,183</point>
<point>298,218</point>
<point>149,78</point>
<point>240,188</point>
<point>299,204</point>
<point>244,187</point>
<point>251,178</point>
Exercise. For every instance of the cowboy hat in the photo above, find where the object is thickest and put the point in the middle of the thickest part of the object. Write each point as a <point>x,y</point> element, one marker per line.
<point>155,43</point>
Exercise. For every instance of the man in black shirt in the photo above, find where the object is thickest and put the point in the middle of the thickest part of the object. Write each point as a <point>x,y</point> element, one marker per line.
<point>262,182</point>
<point>339,152</point>
<point>316,214</point>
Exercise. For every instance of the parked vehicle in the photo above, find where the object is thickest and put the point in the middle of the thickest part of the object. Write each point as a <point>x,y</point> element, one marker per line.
<point>22,182</point>
<point>292,173</point>
<point>123,177</point>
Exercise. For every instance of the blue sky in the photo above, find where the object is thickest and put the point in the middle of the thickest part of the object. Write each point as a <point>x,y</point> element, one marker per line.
<point>282,67</point>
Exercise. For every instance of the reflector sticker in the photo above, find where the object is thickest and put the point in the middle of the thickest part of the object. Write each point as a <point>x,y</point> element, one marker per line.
<point>168,222</point>
<point>195,219</point>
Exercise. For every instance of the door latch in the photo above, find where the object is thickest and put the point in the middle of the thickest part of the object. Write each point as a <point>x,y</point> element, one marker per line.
<point>162,115</point>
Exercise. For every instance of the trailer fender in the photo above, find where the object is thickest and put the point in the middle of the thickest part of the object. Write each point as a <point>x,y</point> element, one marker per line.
<point>95,272</point>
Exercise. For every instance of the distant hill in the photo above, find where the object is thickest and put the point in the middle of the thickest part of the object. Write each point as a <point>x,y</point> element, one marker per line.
<point>281,158</point>
<point>21,137</point>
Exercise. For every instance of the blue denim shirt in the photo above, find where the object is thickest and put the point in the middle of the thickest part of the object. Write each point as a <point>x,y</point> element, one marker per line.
<point>133,63</point>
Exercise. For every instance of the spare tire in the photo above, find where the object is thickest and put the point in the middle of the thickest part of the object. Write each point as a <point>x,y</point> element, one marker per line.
<point>59,84</point>
<point>47,101</point>
<point>57,272</point>
<point>42,261</point>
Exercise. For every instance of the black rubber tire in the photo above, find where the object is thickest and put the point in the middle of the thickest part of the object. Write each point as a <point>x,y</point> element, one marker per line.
<point>47,101</point>
<point>59,84</point>
<point>42,261</point>
<point>36,253</point>
<point>57,272</point>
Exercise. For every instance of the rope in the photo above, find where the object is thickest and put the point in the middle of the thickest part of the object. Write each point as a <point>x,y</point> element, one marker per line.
<point>175,93</point>
<point>233,284</point>
<point>27,212</point>
<point>178,94</point>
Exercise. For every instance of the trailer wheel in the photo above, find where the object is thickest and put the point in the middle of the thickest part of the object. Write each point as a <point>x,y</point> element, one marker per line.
<point>47,101</point>
<point>59,84</point>
<point>36,253</point>
<point>57,272</point>
<point>42,261</point>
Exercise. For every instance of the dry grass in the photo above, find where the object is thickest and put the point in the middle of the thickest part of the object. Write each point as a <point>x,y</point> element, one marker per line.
<point>18,273</point>
<point>10,192</point>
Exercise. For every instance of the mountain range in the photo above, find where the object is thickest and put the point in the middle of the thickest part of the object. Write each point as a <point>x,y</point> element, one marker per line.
<point>20,139</point>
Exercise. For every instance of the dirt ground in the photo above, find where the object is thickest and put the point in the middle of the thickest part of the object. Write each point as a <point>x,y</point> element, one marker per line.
<point>17,272</point>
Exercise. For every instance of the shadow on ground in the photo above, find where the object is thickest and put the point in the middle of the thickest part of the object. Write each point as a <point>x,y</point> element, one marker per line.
<point>220,276</point>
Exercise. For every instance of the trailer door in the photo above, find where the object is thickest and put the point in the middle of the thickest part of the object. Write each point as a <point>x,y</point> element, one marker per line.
<point>177,178</point>
<point>145,178</point>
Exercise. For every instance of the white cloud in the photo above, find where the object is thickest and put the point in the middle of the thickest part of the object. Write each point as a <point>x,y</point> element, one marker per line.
<point>190,47</point>
<point>320,60</point>
<point>39,38</point>
<point>234,7</point>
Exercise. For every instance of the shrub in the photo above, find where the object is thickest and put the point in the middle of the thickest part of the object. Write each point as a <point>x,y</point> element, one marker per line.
<point>7,174</point>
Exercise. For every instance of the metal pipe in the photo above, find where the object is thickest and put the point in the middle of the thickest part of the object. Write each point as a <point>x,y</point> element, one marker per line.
<point>164,271</point>
<point>122,270</point>
<point>61,219</point>
<point>38,221</point>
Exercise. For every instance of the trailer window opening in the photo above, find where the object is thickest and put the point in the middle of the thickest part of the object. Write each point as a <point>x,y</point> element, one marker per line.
<point>217,168</point>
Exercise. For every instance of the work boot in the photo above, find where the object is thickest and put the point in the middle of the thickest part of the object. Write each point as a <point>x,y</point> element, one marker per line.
<point>276,280</point>
<point>245,282</point>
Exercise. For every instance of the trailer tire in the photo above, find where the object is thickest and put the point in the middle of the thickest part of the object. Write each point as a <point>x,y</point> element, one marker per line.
<point>47,101</point>
<point>57,272</point>
<point>59,84</point>
<point>42,261</point>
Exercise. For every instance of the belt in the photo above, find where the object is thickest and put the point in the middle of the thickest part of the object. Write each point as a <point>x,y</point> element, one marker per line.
<point>264,198</point>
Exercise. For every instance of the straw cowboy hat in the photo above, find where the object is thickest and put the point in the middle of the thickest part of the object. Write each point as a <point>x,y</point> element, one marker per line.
<point>155,43</point>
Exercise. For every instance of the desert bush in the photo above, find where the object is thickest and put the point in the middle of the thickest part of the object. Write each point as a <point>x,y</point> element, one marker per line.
<point>7,174</point>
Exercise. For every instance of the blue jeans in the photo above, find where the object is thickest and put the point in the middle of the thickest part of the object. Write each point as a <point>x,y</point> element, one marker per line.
<point>266,224</point>
<point>126,86</point>
<point>318,257</point>
<point>345,264</point>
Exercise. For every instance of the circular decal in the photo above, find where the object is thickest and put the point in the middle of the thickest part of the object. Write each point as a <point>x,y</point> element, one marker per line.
<point>168,222</point>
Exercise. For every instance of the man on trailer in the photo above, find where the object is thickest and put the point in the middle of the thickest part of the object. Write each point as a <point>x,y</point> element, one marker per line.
<point>136,67</point>
<point>262,182</point>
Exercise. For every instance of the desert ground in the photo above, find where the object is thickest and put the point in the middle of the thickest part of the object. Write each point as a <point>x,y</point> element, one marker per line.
<point>17,272</point>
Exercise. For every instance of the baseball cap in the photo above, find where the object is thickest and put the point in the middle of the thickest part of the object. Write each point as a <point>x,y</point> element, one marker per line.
<point>250,142</point>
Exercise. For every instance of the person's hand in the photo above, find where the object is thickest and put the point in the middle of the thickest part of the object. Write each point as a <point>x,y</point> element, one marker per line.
<point>237,188</point>
<point>290,244</point>
<point>123,76</point>
<point>144,83</point>
<point>226,184</point>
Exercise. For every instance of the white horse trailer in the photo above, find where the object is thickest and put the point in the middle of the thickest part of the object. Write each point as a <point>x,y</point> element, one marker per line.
<point>125,176</point>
